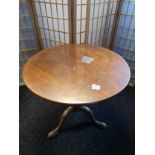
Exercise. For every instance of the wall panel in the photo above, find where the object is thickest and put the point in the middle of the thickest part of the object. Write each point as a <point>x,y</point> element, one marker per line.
<point>100,21</point>
<point>124,43</point>
<point>54,19</point>
<point>28,39</point>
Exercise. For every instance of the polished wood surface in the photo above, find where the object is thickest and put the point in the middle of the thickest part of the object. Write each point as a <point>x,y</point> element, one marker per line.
<point>59,75</point>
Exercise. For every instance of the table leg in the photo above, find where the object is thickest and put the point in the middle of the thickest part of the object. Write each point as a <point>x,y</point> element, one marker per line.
<point>66,112</point>
<point>91,115</point>
<point>70,109</point>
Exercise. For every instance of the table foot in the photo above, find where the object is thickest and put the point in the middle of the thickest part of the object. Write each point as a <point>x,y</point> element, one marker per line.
<point>70,109</point>
<point>53,133</point>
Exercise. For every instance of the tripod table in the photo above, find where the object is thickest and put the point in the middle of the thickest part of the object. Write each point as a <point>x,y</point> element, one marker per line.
<point>76,75</point>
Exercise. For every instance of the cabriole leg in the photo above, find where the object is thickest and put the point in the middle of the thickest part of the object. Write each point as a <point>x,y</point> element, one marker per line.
<point>91,115</point>
<point>54,132</point>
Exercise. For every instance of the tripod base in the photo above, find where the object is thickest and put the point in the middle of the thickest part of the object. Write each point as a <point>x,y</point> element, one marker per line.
<point>70,109</point>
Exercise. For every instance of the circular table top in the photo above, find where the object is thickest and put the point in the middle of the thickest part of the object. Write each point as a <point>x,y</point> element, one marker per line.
<point>76,74</point>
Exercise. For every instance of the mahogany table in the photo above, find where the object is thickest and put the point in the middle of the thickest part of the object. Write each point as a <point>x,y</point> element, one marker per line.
<point>76,75</point>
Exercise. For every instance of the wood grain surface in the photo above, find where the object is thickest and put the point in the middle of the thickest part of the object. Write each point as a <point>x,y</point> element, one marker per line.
<point>58,74</point>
